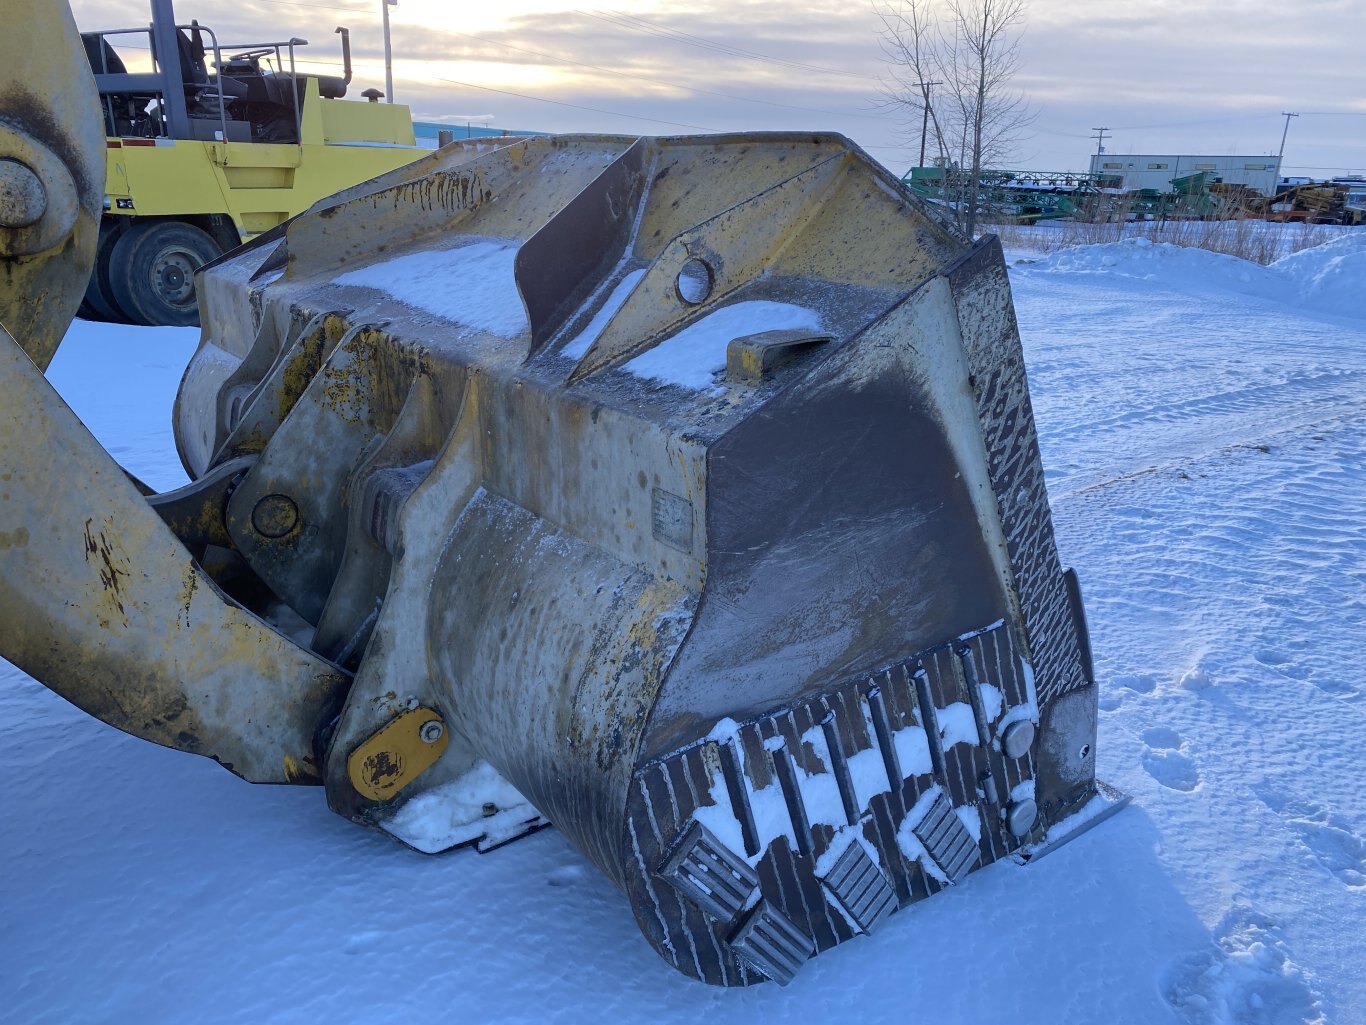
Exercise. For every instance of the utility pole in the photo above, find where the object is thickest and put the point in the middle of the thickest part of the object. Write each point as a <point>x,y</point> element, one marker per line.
<point>1280,155</point>
<point>1100,139</point>
<point>384,6</point>
<point>925,118</point>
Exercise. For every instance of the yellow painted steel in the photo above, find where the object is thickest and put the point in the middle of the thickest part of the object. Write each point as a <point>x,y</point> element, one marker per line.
<point>258,185</point>
<point>101,601</point>
<point>397,753</point>
<point>49,177</point>
<point>105,605</point>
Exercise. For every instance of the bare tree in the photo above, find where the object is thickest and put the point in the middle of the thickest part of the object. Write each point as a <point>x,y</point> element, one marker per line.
<point>910,39</point>
<point>972,49</point>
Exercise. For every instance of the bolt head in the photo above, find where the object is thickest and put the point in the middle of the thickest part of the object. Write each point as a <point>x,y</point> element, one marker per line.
<point>1021,816</point>
<point>432,731</point>
<point>1018,738</point>
<point>274,516</point>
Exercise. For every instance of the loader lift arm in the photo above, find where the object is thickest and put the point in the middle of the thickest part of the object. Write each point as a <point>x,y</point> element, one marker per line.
<point>102,602</point>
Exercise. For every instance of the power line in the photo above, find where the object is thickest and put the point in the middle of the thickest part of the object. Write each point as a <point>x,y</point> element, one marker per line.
<point>1187,124</point>
<point>1065,135</point>
<point>1306,167</point>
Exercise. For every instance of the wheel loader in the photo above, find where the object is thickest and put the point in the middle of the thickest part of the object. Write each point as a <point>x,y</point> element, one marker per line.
<point>215,144</point>
<point>680,493</point>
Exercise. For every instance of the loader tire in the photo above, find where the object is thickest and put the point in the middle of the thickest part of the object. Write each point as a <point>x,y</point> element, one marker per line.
<point>151,272</point>
<point>99,303</point>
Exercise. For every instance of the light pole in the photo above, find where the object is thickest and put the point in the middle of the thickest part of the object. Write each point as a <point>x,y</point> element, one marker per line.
<point>384,6</point>
<point>1281,154</point>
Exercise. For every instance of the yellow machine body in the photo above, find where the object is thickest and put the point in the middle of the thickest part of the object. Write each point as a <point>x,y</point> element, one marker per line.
<point>257,185</point>
<point>213,145</point>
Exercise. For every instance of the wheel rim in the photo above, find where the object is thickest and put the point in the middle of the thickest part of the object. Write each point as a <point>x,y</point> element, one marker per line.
<point>173,277</point>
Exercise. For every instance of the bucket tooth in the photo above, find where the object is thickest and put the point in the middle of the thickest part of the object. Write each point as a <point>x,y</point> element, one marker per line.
<point>768,941</point>
<point>946,840</point>
<point>824,785</point>
<point>857,884</point>
<point>704,870</point>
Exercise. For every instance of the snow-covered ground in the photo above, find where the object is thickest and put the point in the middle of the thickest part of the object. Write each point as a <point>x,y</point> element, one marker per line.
<point>1202,427</point>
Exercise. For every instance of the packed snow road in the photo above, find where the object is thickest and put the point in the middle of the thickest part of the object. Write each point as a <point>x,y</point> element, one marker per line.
<point>1201,423</point>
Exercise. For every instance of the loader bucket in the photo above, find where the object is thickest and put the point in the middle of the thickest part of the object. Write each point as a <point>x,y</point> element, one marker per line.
<point>683,493</point>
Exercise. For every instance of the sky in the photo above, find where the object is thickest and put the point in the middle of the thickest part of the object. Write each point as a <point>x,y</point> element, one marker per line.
<point>1192,77</point>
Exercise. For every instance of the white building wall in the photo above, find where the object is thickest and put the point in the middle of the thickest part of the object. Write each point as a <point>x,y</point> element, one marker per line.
<point>1146,171</point>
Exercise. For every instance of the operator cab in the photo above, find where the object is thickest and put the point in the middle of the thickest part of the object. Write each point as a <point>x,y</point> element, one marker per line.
<point>205,90</point>
<point>268,98</point>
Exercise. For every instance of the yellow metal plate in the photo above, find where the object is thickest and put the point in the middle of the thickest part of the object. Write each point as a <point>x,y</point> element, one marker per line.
<point>398,753</point>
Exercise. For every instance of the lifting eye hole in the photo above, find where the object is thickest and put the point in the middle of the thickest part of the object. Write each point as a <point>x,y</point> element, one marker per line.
<point>694,282</point>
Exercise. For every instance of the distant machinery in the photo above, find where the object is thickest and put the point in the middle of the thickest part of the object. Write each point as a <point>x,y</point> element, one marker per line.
<point>1023,197</point>
<point>1027,197</point>
<point>209,147</point>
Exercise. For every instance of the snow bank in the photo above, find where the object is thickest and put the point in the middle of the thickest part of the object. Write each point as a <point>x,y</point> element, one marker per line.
<point>472,285</point>
<point>692,356</point>
<point>1155,261</point>
<point>1329,278</point>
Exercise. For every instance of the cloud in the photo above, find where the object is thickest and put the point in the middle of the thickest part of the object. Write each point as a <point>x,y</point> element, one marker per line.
<point>1190,74</point>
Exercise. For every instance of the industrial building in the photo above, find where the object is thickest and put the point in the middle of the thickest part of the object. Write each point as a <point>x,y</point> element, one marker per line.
<point>1148,171</point>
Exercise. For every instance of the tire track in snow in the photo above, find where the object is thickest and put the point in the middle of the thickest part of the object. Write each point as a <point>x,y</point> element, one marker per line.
<point>1332,840</point>
<point>1259,546</point>
<point>1317,390</point>
<point>1202,372</point>
<point>1156,436</point>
